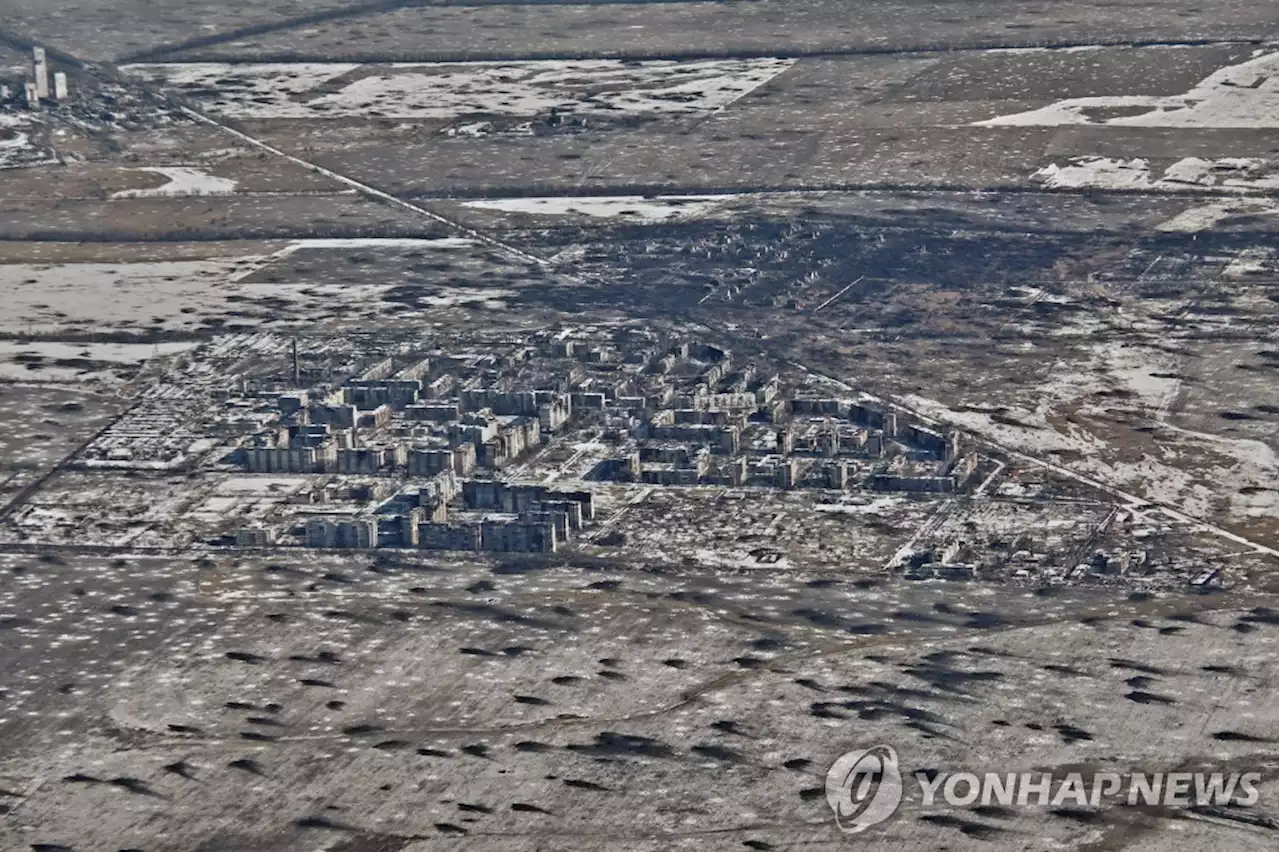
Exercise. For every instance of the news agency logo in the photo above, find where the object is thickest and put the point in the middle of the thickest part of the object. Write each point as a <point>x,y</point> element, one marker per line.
<point>866,787</point>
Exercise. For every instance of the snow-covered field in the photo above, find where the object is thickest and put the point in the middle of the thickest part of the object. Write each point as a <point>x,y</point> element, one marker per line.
<point>16,145</point>
<point>454,89</point>
<point>1198,472</point>
<point>245,497</point>
<point>373,242</point>
<point>172,295</point>
<point>181,182</point>
<point>631,208</point>
<point>38,361</point>
<point>450,297</point>
<point>1233,174</point>
<point>874,506</point>
<point>1241,95</point>
<point>40,297</point>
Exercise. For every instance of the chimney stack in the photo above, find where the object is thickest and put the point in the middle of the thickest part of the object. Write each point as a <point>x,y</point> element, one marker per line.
<point>41,72</point>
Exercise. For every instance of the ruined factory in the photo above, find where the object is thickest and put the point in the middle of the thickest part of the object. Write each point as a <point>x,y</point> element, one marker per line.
<point>37,84</point>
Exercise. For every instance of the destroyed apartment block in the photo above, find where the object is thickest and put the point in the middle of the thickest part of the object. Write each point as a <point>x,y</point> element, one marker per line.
<point>488,516</point>
<point>805,441</point>
<point>421,445</point>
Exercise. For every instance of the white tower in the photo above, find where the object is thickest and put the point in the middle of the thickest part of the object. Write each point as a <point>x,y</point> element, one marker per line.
<point>41,72</point>
<point>59,86</point>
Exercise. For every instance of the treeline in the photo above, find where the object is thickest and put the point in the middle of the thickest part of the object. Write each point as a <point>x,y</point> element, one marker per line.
<point>353,13</point>
<point>207,234</point>
<point>144,336</point>
<point>677,189</point>
<point>195,54</point>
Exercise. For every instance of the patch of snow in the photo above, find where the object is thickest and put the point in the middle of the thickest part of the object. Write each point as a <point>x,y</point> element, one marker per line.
<point>1016,51</point>
<point>17,150</point>
<point>1241,95</point>
<point>222,153</point>
<point>443,243</point>
<point>39,296</point>
<point>633,208</point>
<point>1250,261</point>
<point>204,79</point>
<point>1246,461</point>
<point>876,506</point>
<point>372,242</point>
<point>737,559</point>
<point>1037,294</point>
<point>182,182</point>
<point>449,90</point>
<point>479,129</point>
<point>1095,171</point>
<point>1237,174</point>
<point>329,294</point>
<point>1211,487</point>
<point>1132,369</point>
<point>1159,482</point>
<point>16,358</point>
<point>451,296</point>
<point>1205,216</point>
<point>264,486</point>
<point>1035,435</point>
